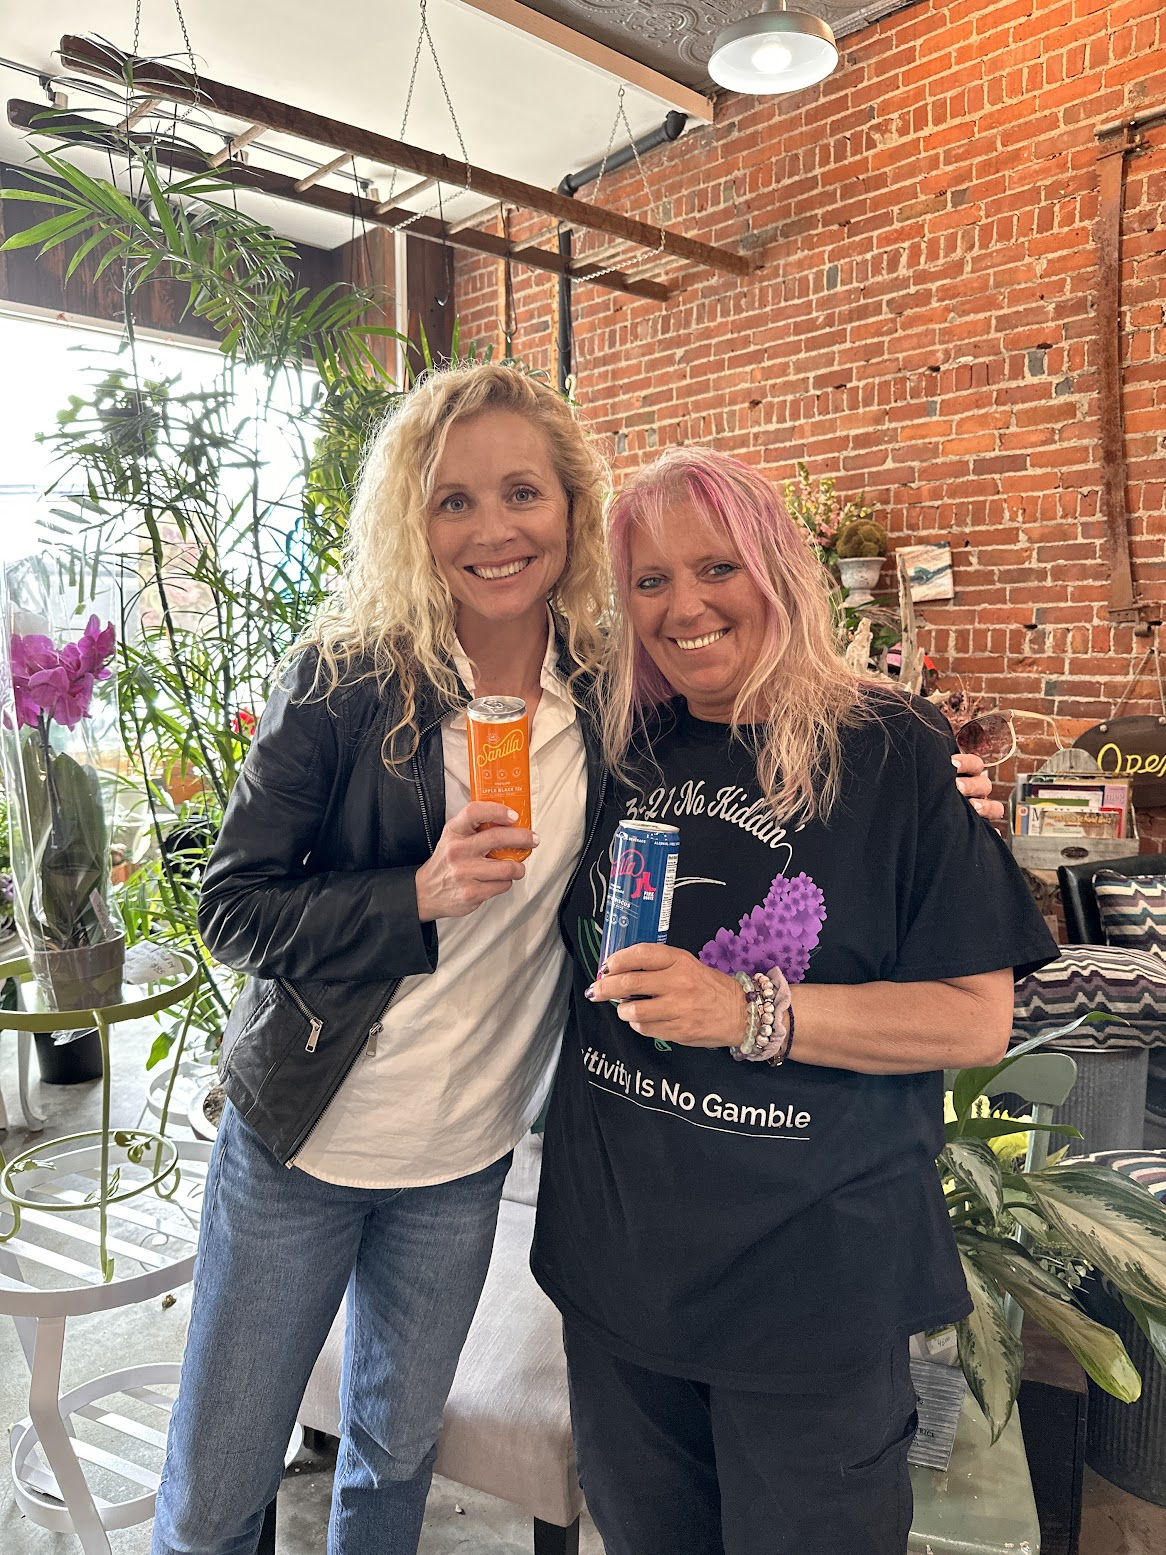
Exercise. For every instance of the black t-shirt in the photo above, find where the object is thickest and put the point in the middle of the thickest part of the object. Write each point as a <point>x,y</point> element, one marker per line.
<point>754,1226</point>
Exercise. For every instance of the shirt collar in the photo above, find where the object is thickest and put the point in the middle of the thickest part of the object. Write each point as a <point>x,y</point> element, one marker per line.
<point>550,679</point>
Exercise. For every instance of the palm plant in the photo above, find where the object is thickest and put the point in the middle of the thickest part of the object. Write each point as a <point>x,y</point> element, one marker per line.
<point>219,563</point>
<point>1032,1236</point>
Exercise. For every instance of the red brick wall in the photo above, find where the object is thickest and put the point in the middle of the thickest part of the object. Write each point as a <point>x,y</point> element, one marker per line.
<point>922,327</point>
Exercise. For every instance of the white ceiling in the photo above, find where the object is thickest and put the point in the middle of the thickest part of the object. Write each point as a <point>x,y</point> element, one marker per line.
<point>525,109</point>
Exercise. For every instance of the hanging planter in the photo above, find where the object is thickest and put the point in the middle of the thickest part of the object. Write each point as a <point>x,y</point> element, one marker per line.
<point>56,683</point>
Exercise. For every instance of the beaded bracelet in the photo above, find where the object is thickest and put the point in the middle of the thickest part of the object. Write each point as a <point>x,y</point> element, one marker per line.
<point>752,1013</point>
<point>765,1039</point>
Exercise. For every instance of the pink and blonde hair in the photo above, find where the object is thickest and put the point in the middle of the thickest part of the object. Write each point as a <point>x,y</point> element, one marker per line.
<point>801,692</point>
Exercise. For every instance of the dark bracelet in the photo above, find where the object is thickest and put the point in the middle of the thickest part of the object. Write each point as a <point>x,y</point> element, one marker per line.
<point>783,1053</point>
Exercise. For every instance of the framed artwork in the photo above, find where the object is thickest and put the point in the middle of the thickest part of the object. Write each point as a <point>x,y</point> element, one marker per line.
<point>928,570</point>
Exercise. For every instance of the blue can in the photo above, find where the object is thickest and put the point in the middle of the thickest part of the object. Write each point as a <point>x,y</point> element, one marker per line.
<point>644,856</point>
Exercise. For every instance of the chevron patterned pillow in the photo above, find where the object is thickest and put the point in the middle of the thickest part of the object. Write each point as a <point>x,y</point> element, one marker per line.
<point>1107,978</point>
<point>1132,909</point>
<point>1145,1167</point>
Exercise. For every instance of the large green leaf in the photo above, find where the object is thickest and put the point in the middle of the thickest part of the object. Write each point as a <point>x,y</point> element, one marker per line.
<point>1112,1222</point>
<point>1046,1300</point>
<point>975,1167</point>
<point>990,1353</point>
<point>1152,1322</point>
<point>994,1127</point>
<point>76,861</point>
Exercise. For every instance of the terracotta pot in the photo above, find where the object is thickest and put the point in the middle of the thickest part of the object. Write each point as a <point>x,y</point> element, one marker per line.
<point>87,978</point>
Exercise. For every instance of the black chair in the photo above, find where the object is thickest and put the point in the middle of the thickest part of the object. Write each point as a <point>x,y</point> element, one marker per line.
<point>1082,919</point>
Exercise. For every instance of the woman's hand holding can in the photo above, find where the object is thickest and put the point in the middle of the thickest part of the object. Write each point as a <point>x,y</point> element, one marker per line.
<point>460,876</point>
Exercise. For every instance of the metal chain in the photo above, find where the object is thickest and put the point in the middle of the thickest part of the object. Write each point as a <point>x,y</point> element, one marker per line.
<point>186,40</point>
<point>185,36</point>
<point>622,118</point>
<point>425,36</point>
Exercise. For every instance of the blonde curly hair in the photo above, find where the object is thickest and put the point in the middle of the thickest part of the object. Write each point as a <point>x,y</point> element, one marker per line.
<point>391,614</point>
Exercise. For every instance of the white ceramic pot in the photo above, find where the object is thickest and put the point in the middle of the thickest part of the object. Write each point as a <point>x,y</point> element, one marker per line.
<point>859,575</point>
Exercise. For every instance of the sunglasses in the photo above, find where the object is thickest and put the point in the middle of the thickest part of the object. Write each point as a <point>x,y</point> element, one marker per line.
<point>991,737</point>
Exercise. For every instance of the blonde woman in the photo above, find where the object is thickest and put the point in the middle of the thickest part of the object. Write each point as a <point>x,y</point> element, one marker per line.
<point>740,1216</point>
<point>405,996</point>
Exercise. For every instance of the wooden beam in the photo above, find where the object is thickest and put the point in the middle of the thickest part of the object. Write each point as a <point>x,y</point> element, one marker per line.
<point>491,212</point>
<point>423,187</point>
<point>318,173</point>
<point>107,63</point>
<point>580,47</point>
<point>77,129</point>
<point>139,112</point>
<point>236,143</point>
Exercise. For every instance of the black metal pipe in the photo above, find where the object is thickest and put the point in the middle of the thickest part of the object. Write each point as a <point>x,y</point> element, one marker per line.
<point>671,129</point>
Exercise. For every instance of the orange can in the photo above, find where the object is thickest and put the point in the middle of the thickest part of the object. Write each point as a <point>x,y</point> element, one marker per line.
<point>499,738</point>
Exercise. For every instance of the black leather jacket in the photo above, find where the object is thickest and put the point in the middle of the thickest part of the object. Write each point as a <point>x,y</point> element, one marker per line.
<point>311,891</point>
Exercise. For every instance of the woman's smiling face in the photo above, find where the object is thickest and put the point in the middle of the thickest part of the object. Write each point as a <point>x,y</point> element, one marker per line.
<point>498,518</point>
<point>695,609</point>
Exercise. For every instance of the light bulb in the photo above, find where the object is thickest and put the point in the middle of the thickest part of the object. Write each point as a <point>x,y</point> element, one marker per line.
<point>771,58</point>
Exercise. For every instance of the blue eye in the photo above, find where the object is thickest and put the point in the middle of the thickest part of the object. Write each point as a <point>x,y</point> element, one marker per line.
<point>649,584</point>
<point>526,493</point>
<point>723,569</point>
<point>454,504</point>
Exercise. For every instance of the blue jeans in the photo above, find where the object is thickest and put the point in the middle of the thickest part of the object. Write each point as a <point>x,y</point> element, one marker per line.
<point>277,1251</point>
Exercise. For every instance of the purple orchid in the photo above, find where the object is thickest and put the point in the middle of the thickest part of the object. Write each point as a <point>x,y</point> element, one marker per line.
<point>59,682</point>
<point>781,932</point>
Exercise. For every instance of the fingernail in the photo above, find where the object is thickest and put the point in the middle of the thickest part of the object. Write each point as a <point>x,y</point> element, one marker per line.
<point>962,785</point>
<point>602,969</point>
<point>513,814</point>
<point>955,761</point>
<point>535,835</point>
<point>591,993</point>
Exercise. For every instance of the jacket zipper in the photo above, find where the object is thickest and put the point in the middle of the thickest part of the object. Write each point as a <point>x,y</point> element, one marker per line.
<point>374,1031</point>
<point>377,1026</point>
<point>313,1021</point>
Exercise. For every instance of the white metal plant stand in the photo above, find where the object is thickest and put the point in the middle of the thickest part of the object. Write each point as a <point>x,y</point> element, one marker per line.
<point>88,1461</point>
<point>88,1223</point>
<point>34,1119</point>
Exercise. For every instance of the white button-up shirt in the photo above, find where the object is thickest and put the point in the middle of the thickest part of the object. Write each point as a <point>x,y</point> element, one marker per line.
<point>467,1053</point>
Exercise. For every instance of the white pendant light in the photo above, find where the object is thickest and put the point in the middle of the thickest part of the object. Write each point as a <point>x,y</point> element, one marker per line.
<point>774,50</point>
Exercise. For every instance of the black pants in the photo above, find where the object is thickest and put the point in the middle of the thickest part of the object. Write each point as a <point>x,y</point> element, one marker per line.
<point>671,1467</point>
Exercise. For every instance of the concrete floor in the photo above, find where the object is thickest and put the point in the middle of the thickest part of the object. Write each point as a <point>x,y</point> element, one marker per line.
<point>457,1519</point>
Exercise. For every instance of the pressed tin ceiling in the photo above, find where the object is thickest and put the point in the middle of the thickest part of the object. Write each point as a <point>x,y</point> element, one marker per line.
<point>676,38</point>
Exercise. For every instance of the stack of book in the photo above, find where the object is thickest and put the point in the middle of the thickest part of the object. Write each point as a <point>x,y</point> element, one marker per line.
<point>1073,804</point>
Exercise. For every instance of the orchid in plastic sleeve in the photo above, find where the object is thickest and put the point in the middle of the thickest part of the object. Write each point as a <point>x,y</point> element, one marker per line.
<point>780,933</point>
<point>52,684</point>
<point>63,872</point>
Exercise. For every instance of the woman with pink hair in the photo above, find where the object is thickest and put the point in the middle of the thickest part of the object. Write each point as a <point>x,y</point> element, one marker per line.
<point>740,1216</point>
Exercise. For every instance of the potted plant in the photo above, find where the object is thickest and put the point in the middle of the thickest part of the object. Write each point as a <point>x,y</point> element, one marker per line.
<point>861,545</point>
<point>1035,1236</point>
<point>59,831</point>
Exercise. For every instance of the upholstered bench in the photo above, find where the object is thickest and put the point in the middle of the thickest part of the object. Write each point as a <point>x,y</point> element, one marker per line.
<point>507,1427</point>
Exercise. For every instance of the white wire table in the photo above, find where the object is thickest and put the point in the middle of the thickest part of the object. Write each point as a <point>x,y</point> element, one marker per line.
<point>88,1460</point>
<point>10,946</point>
<point>89,1223</point>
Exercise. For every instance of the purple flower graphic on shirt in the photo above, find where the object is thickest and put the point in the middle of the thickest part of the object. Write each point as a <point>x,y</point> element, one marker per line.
<point>781,932</point>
